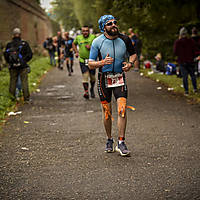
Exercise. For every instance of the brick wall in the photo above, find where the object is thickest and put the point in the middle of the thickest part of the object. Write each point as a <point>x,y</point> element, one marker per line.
<point>29,17</point>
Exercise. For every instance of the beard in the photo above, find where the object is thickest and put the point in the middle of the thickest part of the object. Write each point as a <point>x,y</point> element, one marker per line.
<point>112,31</point>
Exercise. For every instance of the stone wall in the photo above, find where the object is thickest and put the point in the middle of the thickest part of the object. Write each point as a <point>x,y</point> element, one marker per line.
<point>29,17</point>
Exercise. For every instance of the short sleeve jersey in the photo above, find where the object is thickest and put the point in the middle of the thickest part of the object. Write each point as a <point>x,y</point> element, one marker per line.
<point>119,49</point>
<point>81,42</point>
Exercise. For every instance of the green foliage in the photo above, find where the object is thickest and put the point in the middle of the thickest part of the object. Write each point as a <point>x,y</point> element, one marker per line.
<point>156,21</point>
<point>65,15</point>
<point>38,67</point>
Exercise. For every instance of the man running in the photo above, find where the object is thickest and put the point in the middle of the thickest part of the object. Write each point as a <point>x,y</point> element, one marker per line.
<point>84,42</point>
<point>112,47</point>
<point>68,53</point>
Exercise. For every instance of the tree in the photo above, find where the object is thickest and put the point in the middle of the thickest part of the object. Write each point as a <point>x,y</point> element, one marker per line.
<point>65,15</point>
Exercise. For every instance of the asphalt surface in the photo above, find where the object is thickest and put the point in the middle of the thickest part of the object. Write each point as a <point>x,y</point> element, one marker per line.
<point>55,148</point>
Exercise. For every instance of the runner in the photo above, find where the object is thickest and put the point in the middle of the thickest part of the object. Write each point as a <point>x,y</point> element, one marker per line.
<point>84,42</point>
<point>112,47</point>
<point>59,42</point>
<point>69,53</point>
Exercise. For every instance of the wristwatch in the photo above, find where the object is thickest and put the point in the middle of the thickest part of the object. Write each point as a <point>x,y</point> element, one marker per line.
<point>131,63</point>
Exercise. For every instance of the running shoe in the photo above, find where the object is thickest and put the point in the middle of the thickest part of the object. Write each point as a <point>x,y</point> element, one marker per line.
<point>109,146</point>
<point>122,149</point>
<point>86,95</point>
<point>186,93</point>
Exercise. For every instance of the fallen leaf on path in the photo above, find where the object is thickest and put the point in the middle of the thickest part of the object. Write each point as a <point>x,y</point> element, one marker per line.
<point>151,72</point>
<point>89,111</point>
<point>25,148</point>
<point>14,113</point>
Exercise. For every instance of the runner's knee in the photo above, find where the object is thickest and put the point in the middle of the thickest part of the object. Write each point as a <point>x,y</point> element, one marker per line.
<point>92,78</point>
<point>122,106</point>
<point>85,77</point>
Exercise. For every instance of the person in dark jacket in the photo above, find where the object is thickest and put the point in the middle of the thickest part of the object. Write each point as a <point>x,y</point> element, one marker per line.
<point>17,54</point>
<point>185,50</point>
<point>196,37</point>
<point>50,47</point>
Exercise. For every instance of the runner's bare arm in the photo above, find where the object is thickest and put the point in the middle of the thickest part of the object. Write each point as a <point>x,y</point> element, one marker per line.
<point>128,65</point>
<point>96,64</point>
<point>75,49</point>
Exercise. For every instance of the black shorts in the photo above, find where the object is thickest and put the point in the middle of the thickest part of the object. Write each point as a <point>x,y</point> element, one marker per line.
<point>105,94</point>
<point>85,68</point>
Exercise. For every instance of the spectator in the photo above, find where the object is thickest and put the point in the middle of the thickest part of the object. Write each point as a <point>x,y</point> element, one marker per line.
<point>160,64</point>
<point>196,39</point>
<point>50,47</point>
<point>17,54</point>
<point>185,49</point>
<point>135,42</point>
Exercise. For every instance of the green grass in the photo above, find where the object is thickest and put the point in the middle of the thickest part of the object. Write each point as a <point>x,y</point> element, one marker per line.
<point>172,81</point>
<point>39,66</point>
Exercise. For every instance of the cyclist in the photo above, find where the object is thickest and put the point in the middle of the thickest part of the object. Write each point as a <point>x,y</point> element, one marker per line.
<point>112,48</point>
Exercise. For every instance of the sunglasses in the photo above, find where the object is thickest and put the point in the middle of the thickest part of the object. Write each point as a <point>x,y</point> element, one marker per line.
<point>111,23</point>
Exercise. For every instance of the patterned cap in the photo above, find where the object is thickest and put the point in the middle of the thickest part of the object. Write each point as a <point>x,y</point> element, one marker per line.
<point>102,21</point>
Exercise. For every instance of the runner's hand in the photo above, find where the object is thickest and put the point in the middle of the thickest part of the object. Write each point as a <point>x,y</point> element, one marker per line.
<point>108,60</point>
<point>127,66</point>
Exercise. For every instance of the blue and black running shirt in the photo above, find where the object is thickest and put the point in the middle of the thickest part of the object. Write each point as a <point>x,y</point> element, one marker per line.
<point>119,49</point>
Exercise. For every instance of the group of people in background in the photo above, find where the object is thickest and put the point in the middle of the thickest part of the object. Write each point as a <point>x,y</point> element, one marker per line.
<point>113,54</point>
<point>66,46</point>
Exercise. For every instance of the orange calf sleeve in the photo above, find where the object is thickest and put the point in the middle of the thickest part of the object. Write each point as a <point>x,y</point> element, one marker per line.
<point>122,106</point>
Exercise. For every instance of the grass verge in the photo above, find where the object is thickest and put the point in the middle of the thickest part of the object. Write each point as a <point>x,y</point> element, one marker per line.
<point>173,83</point>
<point>39,66</point>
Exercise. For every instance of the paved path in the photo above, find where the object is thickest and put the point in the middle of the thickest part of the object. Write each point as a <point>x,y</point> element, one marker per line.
<point>55,148</point>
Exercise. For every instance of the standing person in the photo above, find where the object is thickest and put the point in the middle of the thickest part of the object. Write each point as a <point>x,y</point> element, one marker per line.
<point>136,43</point>
<point>84,42</point>
<point>59,42</point>
<point>112,47</point>
<point>69,57</point>
<point>185,50</point>
<point>196,39</point>
<point>17,54</point>
<point>50,47</point>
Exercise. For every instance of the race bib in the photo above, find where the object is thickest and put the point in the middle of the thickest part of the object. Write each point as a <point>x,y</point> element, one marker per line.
<point>114,80</point>
<point>86,61</point>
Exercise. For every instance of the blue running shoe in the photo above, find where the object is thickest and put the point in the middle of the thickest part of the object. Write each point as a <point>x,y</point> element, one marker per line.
<point>109,146</point>
<point>122,149</point>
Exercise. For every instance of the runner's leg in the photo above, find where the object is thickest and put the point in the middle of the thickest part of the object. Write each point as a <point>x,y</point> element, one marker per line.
<point>107,107</point>
<point>85,84</point>
<point>92,83</point>
<point>71,63</point>
<point>122,118</point>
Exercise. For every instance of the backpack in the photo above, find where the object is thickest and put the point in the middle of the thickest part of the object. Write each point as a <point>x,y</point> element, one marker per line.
<point>14,55</point>
<point>49,45</point>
